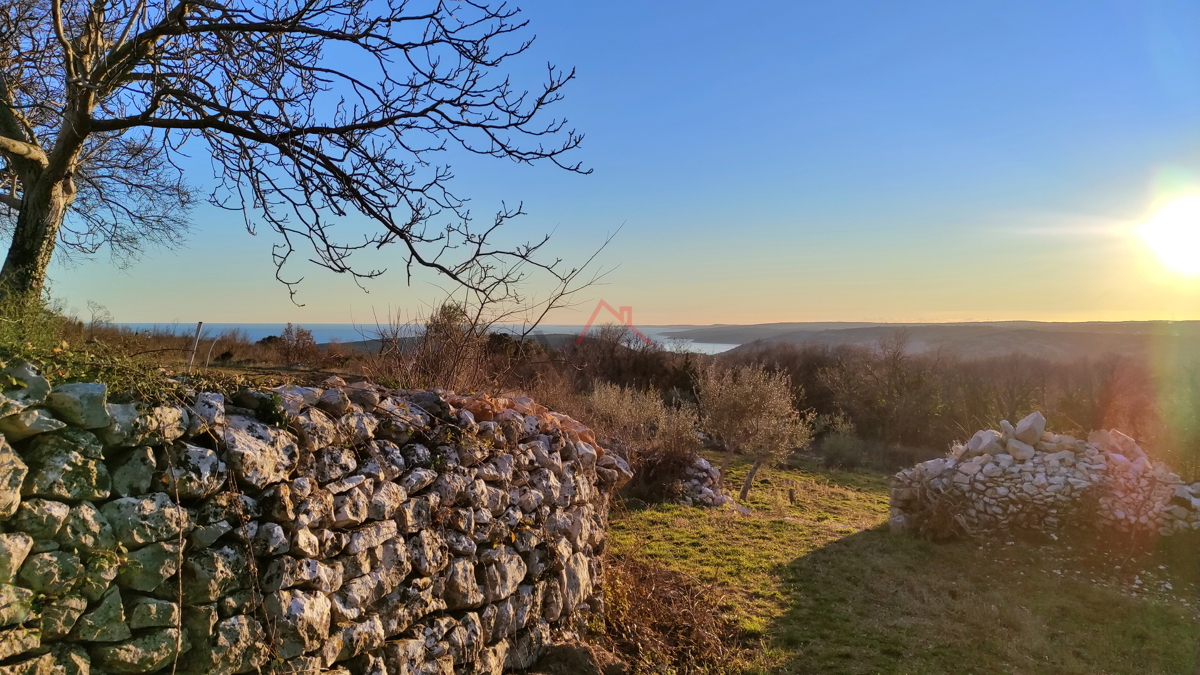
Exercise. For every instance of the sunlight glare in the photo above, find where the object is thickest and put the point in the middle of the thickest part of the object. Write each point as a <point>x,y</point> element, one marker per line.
<point>1174,235</point>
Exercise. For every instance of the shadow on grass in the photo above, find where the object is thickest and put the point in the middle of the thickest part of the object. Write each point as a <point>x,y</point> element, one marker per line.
<point>874,602</point>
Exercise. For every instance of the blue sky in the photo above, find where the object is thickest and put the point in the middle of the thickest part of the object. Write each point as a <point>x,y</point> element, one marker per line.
<point>776,161</point>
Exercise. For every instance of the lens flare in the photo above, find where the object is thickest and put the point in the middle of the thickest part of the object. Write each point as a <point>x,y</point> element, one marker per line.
<point>1174,235</point>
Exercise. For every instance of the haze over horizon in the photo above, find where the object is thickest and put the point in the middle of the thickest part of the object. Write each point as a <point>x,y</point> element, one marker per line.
<point>780,162</point>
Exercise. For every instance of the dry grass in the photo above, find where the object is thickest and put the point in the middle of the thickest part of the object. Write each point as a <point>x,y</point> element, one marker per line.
<point>681,630</point>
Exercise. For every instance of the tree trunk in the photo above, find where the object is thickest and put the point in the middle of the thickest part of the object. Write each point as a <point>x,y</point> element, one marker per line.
<point>34,238</point>
<point>750,478</point>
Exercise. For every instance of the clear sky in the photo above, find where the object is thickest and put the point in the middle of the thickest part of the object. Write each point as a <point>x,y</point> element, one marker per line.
<point>806,161</point>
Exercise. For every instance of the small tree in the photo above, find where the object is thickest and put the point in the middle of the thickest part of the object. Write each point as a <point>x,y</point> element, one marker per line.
<point>750,411</point>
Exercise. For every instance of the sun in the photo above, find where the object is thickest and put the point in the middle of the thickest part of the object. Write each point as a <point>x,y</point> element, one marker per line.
<point>1174,234</point>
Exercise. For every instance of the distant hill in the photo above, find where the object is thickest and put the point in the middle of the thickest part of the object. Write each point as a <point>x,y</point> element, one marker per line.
<point>1052,340</point>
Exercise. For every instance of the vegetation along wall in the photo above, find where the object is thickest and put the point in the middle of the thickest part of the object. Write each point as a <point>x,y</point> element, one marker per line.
<point>343,528</point>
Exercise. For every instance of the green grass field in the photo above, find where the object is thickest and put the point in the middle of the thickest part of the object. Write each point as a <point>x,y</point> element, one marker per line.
<point>821,586</point>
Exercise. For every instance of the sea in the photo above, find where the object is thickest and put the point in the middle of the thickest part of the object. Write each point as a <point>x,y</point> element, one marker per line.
<point>347,332</point>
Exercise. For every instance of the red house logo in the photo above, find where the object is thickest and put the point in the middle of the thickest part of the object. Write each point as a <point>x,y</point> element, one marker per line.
<point>625,316</point>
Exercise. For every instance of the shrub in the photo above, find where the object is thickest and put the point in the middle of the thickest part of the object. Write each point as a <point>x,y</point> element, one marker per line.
<point>681,630</point>
<point>841,450</point>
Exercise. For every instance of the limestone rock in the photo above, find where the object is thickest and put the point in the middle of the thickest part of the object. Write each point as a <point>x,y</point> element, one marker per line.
<point>14,547</point>
<point>258,454</point>
<point>60,614</point>
<point>148,652</point>
<point>100,571</point>
<point>18,640</point>
<point>12,475</point>
<point>133,472</point>
<point>16,604</point>
<point>81,404</point>
<point>301,621</point>
<point>105,623</point>
<point>146,612</point>
<point>66,465</point>
<point>209,574</point>
<point>138,521</point>
<point>86,529</point>
<point>206,414</point>
<point>147,567</point>
<point>1020,451</point>
<point>24,386</point>
<point>334,463</point>
<point>1030,429</point>
<point>28,422</point>
<point>193,471</point>
<point>235,647</point>
<point>51,572</point>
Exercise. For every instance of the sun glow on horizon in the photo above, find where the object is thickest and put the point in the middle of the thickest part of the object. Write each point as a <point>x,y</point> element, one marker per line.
<point>1174,235</point>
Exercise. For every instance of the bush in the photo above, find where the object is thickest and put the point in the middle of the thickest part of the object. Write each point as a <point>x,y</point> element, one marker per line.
<point>663,621</point>
<point>845,451</point>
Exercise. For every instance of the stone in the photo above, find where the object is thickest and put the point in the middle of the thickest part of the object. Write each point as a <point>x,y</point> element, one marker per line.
<point>1030,429</point>
<point>100,571</point>
<point>14,548</point>
<point>386,500</point>
<point>125,428</point>
<point>334,463</point>
<point>427,553</point>
<point>18,640</point>
<point>335,402</point>
<point>16,604</point>
<point>191,471</point>
<point>60,467</point>
<point>81,404</point>
<point>206,414</point>
<point>146,653</point>
<point>462,591</point>
<point>271,540</point>
<point>24,386</point>
<point>12,475</point>
<point>418,479</point>
<point>138,521</point>
<point>38,665</point>
<point>51,572</point>
<point>258,454</point>
<point>28,422</point>
<point>358,638</point>
<point>350,508</point>
<point>86,529</point>
<point>60,614</point>
<point>1020,450</point>
<point>133,472</point>
<point>146,612</point>
<point>211,573</point>
<point>164,424</point>
<point>146,568</point>
<point>105,623</point>
<point>503,575</point>
<point>235,647</point>
<point>417,513</point>
<point>301,621</point>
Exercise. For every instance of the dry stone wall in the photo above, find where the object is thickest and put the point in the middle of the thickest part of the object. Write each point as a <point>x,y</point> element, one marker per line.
<point>1027,477</point>
<point>342,528</point>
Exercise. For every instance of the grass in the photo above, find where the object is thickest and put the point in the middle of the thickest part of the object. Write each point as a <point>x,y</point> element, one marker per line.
<point>821,586</point>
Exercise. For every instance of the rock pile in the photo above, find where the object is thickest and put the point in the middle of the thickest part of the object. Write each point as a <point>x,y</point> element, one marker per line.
<point>1027,477</point>
<point>701,485</point>
<point>380,532</point>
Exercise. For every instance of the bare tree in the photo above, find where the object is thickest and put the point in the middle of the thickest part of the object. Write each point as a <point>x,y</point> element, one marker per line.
<point>311,110</point>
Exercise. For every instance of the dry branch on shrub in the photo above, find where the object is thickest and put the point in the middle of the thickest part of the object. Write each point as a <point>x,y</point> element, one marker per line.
<point>682,630</point>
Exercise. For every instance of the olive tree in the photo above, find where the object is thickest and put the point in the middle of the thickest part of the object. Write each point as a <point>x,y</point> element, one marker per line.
<point>749,410</point>
<point>312,112</point>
